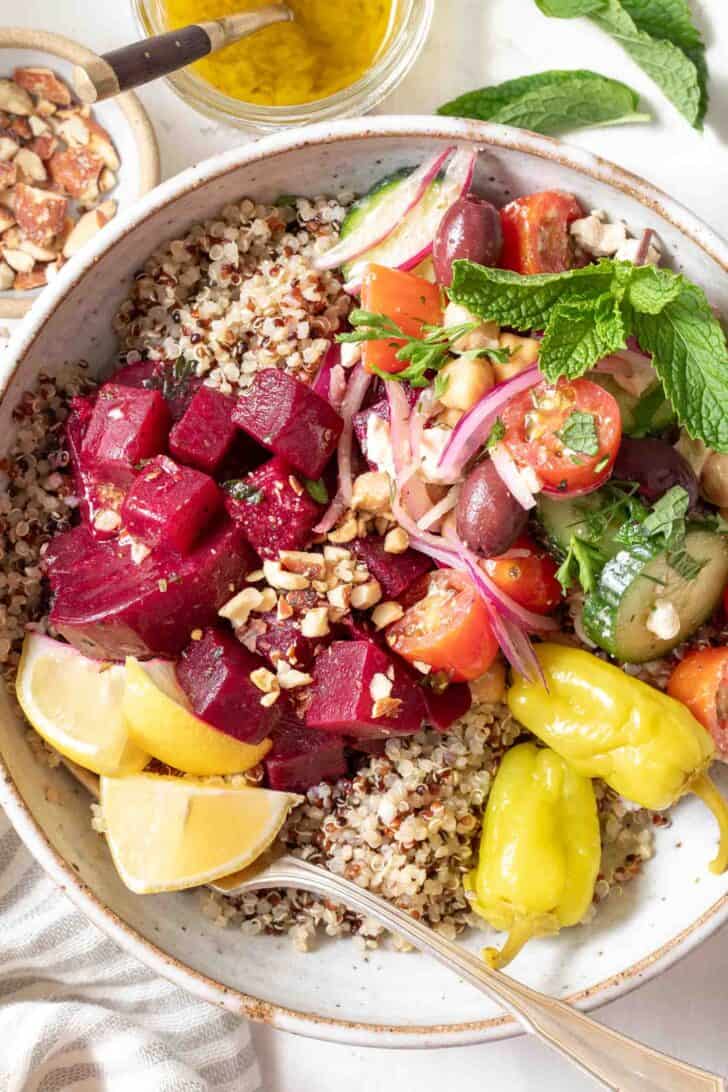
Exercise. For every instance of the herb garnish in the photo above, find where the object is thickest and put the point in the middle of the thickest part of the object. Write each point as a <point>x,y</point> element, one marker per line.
<point>421,355</point>
<point>244,491</point>
<point>497,433</point>
<point>587,313</point>
<point>551,102</point>
<point>172,382</point>
<point>316,490</point>
<point>582,564</point>
<point>579,433</point>
<point>665,528</point>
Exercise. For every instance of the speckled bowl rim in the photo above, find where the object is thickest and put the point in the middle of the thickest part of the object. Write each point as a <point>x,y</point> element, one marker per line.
<point>145,139</point>
<point>277,1016</point>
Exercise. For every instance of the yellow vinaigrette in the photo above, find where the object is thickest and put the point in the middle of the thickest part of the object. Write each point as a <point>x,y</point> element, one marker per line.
<point>328,47</point>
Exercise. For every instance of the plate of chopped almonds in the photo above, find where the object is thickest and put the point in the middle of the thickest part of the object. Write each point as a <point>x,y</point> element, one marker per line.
<point>65,169</point>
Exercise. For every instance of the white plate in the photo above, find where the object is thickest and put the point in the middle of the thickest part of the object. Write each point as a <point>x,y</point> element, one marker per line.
<point>387,999</point>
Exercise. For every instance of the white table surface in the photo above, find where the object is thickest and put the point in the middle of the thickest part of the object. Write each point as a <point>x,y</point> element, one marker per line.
<point>475,42</point>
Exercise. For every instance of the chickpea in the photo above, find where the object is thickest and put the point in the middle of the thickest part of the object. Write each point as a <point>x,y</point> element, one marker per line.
<point>714,479</point>
<point>466,380</point>
<point>484,337</point>
<point>524,352</point>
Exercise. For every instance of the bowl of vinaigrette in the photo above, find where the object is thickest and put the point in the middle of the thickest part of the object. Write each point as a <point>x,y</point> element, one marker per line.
<point>336,59</point>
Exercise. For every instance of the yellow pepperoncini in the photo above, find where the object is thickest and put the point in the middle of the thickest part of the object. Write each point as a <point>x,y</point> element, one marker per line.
<point>648,747</point>
<point>539,850</point>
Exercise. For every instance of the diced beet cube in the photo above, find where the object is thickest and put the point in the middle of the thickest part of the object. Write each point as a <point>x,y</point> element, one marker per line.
<point>341,698</point>
<point>395,572</point>
<point>214,673</point>
<point>281,638</point>
<point>99,501</point>
<point>301,757</point>
<point>141,374</point>
<point>289,419</point>
<point>445,708</point>
<point>204,434</point>
<point>109,607</point>
<point>170,505</point>
<point>272,513</point>
<point>127,425</point>
<point>175,381</point>
<point>366,746</point>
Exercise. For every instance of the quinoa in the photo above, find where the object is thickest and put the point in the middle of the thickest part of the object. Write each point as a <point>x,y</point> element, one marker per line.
<point>239,293</point>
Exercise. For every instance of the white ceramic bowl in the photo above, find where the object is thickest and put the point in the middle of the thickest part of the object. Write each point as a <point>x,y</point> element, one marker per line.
<point>124,118</point>
<point>388,999</point>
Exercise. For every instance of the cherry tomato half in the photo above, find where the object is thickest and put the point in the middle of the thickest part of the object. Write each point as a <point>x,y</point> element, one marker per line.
<point>527,574</point>
<point>536,235</point>
<point>410,300</point>
<point>447,629</point>
<point>569,433</point>
<point>700,682</point>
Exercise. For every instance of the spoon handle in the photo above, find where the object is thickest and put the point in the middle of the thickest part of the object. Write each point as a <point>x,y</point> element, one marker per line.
<point>613,1059</point>
<point>139,62</point>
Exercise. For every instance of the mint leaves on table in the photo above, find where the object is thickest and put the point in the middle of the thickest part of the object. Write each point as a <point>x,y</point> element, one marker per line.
<point>588,313</point>
<point>660,36</point>
<point>551,102</point>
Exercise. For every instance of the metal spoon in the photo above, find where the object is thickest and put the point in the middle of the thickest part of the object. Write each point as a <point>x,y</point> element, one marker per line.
<point>614,1060</point>
<point>138,63</point>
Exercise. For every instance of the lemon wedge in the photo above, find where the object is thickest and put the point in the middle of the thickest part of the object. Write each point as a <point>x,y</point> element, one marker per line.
<point>75,704</point>
<point>158,718</point>
<point>170,833</point>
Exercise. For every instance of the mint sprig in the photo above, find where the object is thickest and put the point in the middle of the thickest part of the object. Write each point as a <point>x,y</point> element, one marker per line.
<point>549,102</point>
<point>588,313</point>
<point>579,433</point>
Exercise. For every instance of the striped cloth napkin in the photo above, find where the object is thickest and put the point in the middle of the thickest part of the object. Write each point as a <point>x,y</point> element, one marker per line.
<point>77,1013</point>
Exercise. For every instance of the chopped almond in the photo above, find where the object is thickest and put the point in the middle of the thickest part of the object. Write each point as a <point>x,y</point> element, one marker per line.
<point>8,148</point>
<point>7,277</point>
<point>6,219</point>
<point>76,172</point>
<point>18,260</point>
<point>8,175</point>
<point>44,84</point>
<point>41,214</point>
<point>14,99</point>
<point>90,223</point>
<point>44,146</point>
<point>30,166</point>
<point>102,145</point>
<point>20,127</point>
<point>74,130</point>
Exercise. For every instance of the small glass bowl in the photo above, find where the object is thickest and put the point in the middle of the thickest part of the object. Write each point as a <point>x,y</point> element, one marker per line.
<point>409,27</point>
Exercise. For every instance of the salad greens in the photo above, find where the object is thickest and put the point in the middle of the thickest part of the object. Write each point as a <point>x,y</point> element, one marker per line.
<point>660,36</point>
<point>588,313</point>
<point>423,355</point>
<point>551,102</point>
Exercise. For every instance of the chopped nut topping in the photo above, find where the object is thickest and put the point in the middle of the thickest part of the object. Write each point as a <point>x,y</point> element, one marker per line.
<point>340,596</point>
<point>107,520</point>
<point>270,699</point>
<point>386,613</point>
<point>255,576</point>
<point>284,609</point>
<point>315,622</point>
<point>366,595</point>
<point>278,577</point>
<point>308,564</point>
<point>264,680</point>
<point>237,609</point>
<point>372,492</point>
<point>290,678</point>
<point>386,707</point>
<point>295,485</point>
<point>332,554</point>
<point>346,532</point>
<point>380,687</point>
<point>196,635</point>
<point>396,541</point>
<point>268,601</point>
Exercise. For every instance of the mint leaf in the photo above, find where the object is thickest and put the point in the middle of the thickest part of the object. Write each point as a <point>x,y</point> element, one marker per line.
<point>665,63</point>
<point>316,490</point>
<point>579,433</point>
<point>582,565</point>
<point>690,356</point>
<point>672,20</point>
<point>524,302</point>
<point>244,491</point>
<point>551,102</point>
<point>667,517</point>
<point>650,289</point>
<point>579,334</point>
<point>568,9</point>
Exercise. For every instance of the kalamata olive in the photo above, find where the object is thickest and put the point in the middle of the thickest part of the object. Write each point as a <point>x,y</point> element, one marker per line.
<point>470,229</point>
<point>656,467</point>
<point>488,517</point>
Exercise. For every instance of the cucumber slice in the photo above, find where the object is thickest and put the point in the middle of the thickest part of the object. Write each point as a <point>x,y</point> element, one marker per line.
<point>627,402</point>
<point>615,615</point>
<point>583,518</point>
<point>648,415</point>
<point>371,199</point>
<point>390,251</point>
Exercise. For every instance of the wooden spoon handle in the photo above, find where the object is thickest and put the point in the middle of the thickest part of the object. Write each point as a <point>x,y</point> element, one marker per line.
<point>138,63</point>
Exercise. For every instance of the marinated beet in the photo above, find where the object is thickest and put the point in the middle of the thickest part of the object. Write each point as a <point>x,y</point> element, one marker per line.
<point>288,418</point>
<point>127,425</point>
<point>99,501</point>
<point>301,757</point>
<point>281,638</point>
<point>170,505</point>
<point>214,673</point>
<point>175,380</point>
<point>342,701</point>
<point>141,373</point>
<point>444,708</point>
<point>395,572</point>
<point>272,508</point>
<point>489,518</point>
<point>108,607</point>
<point>204,434</point>
<point>656,467</point>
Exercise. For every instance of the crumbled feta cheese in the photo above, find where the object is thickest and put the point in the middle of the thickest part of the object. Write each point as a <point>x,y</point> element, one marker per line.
<point>432,444</point>
<point>596,237</point>
<point>663,620</point>
<point>379,444</point>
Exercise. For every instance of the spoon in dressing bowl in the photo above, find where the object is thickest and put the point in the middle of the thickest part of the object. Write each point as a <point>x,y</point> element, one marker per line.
<point>613,1059</point>
<point>138,63</point>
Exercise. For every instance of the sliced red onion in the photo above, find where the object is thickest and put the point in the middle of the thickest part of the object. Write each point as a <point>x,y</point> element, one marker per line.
<point>473,428</point>
<point>644,248</point>
<point>511,476</point>
<point>436,513</point>
<point>385,216</point>
<point>412,242</point>
<point>351,404</point>
<point>413,491</point>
